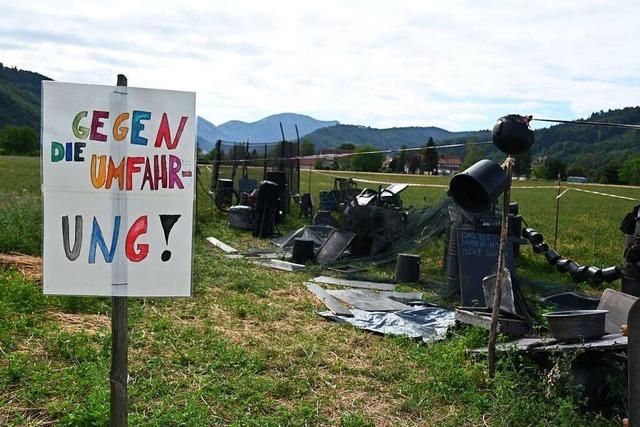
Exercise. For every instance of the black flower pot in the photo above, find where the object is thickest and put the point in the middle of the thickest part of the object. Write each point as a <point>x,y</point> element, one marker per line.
<point>478,187</point>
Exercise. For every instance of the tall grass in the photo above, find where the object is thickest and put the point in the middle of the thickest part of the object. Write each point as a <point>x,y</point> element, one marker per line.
<point>248,348</point>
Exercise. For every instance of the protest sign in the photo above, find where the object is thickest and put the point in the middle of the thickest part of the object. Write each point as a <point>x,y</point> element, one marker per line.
<point>118,180</point>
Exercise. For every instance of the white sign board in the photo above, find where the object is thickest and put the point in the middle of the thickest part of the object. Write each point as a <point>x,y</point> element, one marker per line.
<point>118,181</point>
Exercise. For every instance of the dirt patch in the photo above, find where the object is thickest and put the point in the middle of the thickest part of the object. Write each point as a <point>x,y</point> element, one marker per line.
<point>79,322</point>
<point>27,265</point>
<point>35,416</point>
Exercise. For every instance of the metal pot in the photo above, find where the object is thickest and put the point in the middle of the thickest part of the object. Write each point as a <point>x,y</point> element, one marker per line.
<point>576,325</point>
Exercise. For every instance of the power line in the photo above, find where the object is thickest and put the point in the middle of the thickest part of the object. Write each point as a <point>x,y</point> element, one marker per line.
<point>584,122</point>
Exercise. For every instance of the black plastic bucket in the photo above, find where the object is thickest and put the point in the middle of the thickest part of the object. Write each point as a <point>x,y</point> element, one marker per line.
<point>478,187</point>
<point>302,250</point>
<point>407,268</point>
<point>225,183</point>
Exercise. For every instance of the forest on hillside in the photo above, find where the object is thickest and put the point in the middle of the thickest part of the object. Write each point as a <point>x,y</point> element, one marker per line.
<point>20,97</point>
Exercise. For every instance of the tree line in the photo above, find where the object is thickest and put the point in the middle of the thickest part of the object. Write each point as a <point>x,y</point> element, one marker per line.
<point>612,172</point>
<point>368,158</point>
<point>19,141</point>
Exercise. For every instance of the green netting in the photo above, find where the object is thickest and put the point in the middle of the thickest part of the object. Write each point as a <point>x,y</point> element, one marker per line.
<point>421,226</point>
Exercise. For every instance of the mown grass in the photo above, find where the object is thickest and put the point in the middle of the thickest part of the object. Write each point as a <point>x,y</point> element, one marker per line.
<point>248,349</point>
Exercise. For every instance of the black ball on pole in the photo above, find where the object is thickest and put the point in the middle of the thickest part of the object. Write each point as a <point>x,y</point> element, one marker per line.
<point>512,134</point>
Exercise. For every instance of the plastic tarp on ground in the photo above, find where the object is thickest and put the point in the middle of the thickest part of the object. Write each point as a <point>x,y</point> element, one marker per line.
<point>426,323</point>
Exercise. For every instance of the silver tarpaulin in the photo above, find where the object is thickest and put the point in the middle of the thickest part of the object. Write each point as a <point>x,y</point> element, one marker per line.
<point>426,323</point>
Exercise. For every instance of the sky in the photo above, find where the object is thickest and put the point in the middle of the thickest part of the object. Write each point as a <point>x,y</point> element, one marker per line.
<point>458,65</point>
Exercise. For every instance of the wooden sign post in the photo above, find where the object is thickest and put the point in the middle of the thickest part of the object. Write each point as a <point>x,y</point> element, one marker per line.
<point>504,231</point>
<point>118,182</point>
<point>119,348</point>
<point>119,354</point>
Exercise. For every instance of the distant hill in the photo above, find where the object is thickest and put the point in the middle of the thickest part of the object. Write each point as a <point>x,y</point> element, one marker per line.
<point>588,146</point>
<point>334,136</point>
<point>207,134</point>
<point>264,130</point>
<point>591,146</point>
<point>20,97</point>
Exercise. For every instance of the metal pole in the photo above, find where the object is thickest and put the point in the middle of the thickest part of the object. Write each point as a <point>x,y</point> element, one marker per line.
<point>298,161</point>
<point>216,167</point>
<point>119,337</point>
<point>264,167</point>
<point>235,165</point>
<point>282,148</point>
<point>246,157</point>
<point>555,234</point>
<point>504,229</point>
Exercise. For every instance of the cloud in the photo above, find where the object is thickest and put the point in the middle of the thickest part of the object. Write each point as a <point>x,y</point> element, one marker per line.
<point>457,65</point>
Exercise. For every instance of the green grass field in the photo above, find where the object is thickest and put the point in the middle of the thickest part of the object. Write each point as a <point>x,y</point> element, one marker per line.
<point>248,348</point>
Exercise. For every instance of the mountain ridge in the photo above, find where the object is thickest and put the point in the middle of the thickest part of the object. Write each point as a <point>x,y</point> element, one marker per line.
<point>264,130</point>
<point>587,146</point>
<point>386,138</point>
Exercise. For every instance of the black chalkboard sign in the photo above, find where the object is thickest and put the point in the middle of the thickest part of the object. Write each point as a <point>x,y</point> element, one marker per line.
<point>477,258</point>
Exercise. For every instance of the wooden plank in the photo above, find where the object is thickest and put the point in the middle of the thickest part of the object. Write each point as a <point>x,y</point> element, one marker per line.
<point>355,283</point>
<point>514,327</point>
<point>119,361</point>
<point>618,304</point>
<point>331,302</point>
<point>286,265</point>
<point>119,399</point>
<point>545,345</point>
<point>221,245</point>
<point>279,264</point>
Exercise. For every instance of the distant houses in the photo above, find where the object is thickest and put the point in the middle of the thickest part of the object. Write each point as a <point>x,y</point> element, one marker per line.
<point>322,163</point>
<point>449,164</point>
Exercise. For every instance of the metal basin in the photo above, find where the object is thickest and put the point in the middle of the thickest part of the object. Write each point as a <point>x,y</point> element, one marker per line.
<point>575,325</point>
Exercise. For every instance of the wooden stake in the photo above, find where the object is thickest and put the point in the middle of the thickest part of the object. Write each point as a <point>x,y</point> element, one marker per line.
<point>119,371</point>
<point>119,343</point>
<point>555,234</point>
<point>497,299</point>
